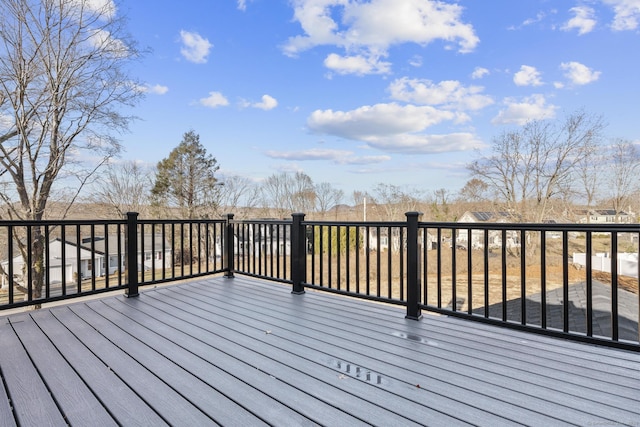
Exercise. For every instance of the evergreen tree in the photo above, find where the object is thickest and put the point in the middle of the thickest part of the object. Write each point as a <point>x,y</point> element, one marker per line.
<point>186,179</point>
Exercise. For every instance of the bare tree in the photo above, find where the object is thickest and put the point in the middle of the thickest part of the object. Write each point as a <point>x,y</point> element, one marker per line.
<point>327,197</point>
<point>474,191</point>
<point>587,176</point>
<point>286,193</point>
<point>440,205</point>
<point>63,81</point>
<point>530,166</point>
<point>394,201</point>
<point>622,178</point>
<point>124,188</point>
<point>238,195</point>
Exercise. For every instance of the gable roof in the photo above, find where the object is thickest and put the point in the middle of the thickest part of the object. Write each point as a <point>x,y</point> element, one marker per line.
<point>487,216</point>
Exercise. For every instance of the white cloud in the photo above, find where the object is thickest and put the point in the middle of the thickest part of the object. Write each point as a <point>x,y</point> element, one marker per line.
<point>359,65</point>
<point>368,29</point>
<point>391,127</point>
<point>215,99</point>
<point>6,121</point>
<point>540,16</point>
<point>380,119</point>
<point>155,89</point>
<point>102,40</point>
<point>426,144</point>
<point>342,157</point>
<point>583,20</point>
<point>534,107</point>
<point>448,94</point>
<point>416,61</point>
<point>627,14</point>
<point>527,76</point>
<point>103,8</point>
<point>194,48</point>
<point>479,72</point>
<point>268,103</point>
<point>579,74</point>
<point>242,5</point>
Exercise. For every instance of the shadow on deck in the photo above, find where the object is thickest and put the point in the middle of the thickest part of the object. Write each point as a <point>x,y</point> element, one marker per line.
<point>248,352</point>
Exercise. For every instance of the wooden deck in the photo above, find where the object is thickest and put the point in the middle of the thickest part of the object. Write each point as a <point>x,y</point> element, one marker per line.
<point>248,352</point>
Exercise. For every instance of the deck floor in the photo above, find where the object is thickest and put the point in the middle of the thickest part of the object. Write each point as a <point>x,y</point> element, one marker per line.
<point>248,352</point>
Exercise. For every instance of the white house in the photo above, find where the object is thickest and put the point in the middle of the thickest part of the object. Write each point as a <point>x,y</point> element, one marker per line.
<point>495,236</point>
<point>267,239</point>
<point>603,216</point>
<point>393,240</point>
<point>105,260</point>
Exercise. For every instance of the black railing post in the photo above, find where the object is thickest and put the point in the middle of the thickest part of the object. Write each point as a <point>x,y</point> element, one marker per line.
<point>298,253</point>
<point>227,241</point>
<point>414,311</point>
<point>131,246</point>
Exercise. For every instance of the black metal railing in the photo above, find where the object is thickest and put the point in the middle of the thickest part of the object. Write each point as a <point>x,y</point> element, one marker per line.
<point>535,277</point>
<point>262,248</point>
<point>577,281</point>
<point>46,261</point>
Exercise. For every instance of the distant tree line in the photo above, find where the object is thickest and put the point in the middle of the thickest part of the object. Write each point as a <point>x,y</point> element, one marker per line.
<point>536,172</point>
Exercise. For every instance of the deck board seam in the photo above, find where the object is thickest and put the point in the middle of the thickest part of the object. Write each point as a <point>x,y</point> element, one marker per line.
<point>594,402</point>
<point>125,303</point>
<point>410,384</point>
<point>460,348</point>
<point>274,360</point>
<point>117,346</point>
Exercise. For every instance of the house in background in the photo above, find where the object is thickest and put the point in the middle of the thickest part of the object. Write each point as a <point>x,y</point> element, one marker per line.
<point>495,236</point>
<point>603,216</point>
<point>98,258</point>
<point>393,238</point>
<point>262,239</point>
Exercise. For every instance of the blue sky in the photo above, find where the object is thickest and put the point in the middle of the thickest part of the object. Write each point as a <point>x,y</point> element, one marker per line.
<point>355,93</point>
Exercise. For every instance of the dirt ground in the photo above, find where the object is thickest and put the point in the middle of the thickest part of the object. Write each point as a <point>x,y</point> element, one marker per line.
<point>554,280</point>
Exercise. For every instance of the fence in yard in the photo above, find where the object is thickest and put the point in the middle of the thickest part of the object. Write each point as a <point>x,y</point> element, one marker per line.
<point>627,263</point>
<point>521,276</point>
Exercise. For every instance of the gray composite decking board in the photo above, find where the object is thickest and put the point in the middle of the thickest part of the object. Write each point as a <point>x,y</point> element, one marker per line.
<point>383,338</point>
<point>587,406</point>
<point>23,381</point>
<point>499,336</point>
<point>126,407</point>
<point>31,401</point>
<point>6,413</point>
<point>470,379</point>
<point>403,387</point>
<point>206,342</point>
<point>499,343</point>
<point>169,404</point>
<point>253,339</point>
<point>76,401</point>
<point>244,374</point>
<point>567,370</point>
<point>318,382</point>
<point>205,359</point>
<point>610,382</point>
<point>233,334</point>
<point>215,405</point>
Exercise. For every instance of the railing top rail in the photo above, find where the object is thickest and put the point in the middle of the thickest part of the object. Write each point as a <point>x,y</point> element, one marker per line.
<point>600,228</point>
<point>181,221</point>
<point>61,222</point>
<point>358,223</point>
<point>261,221</point>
